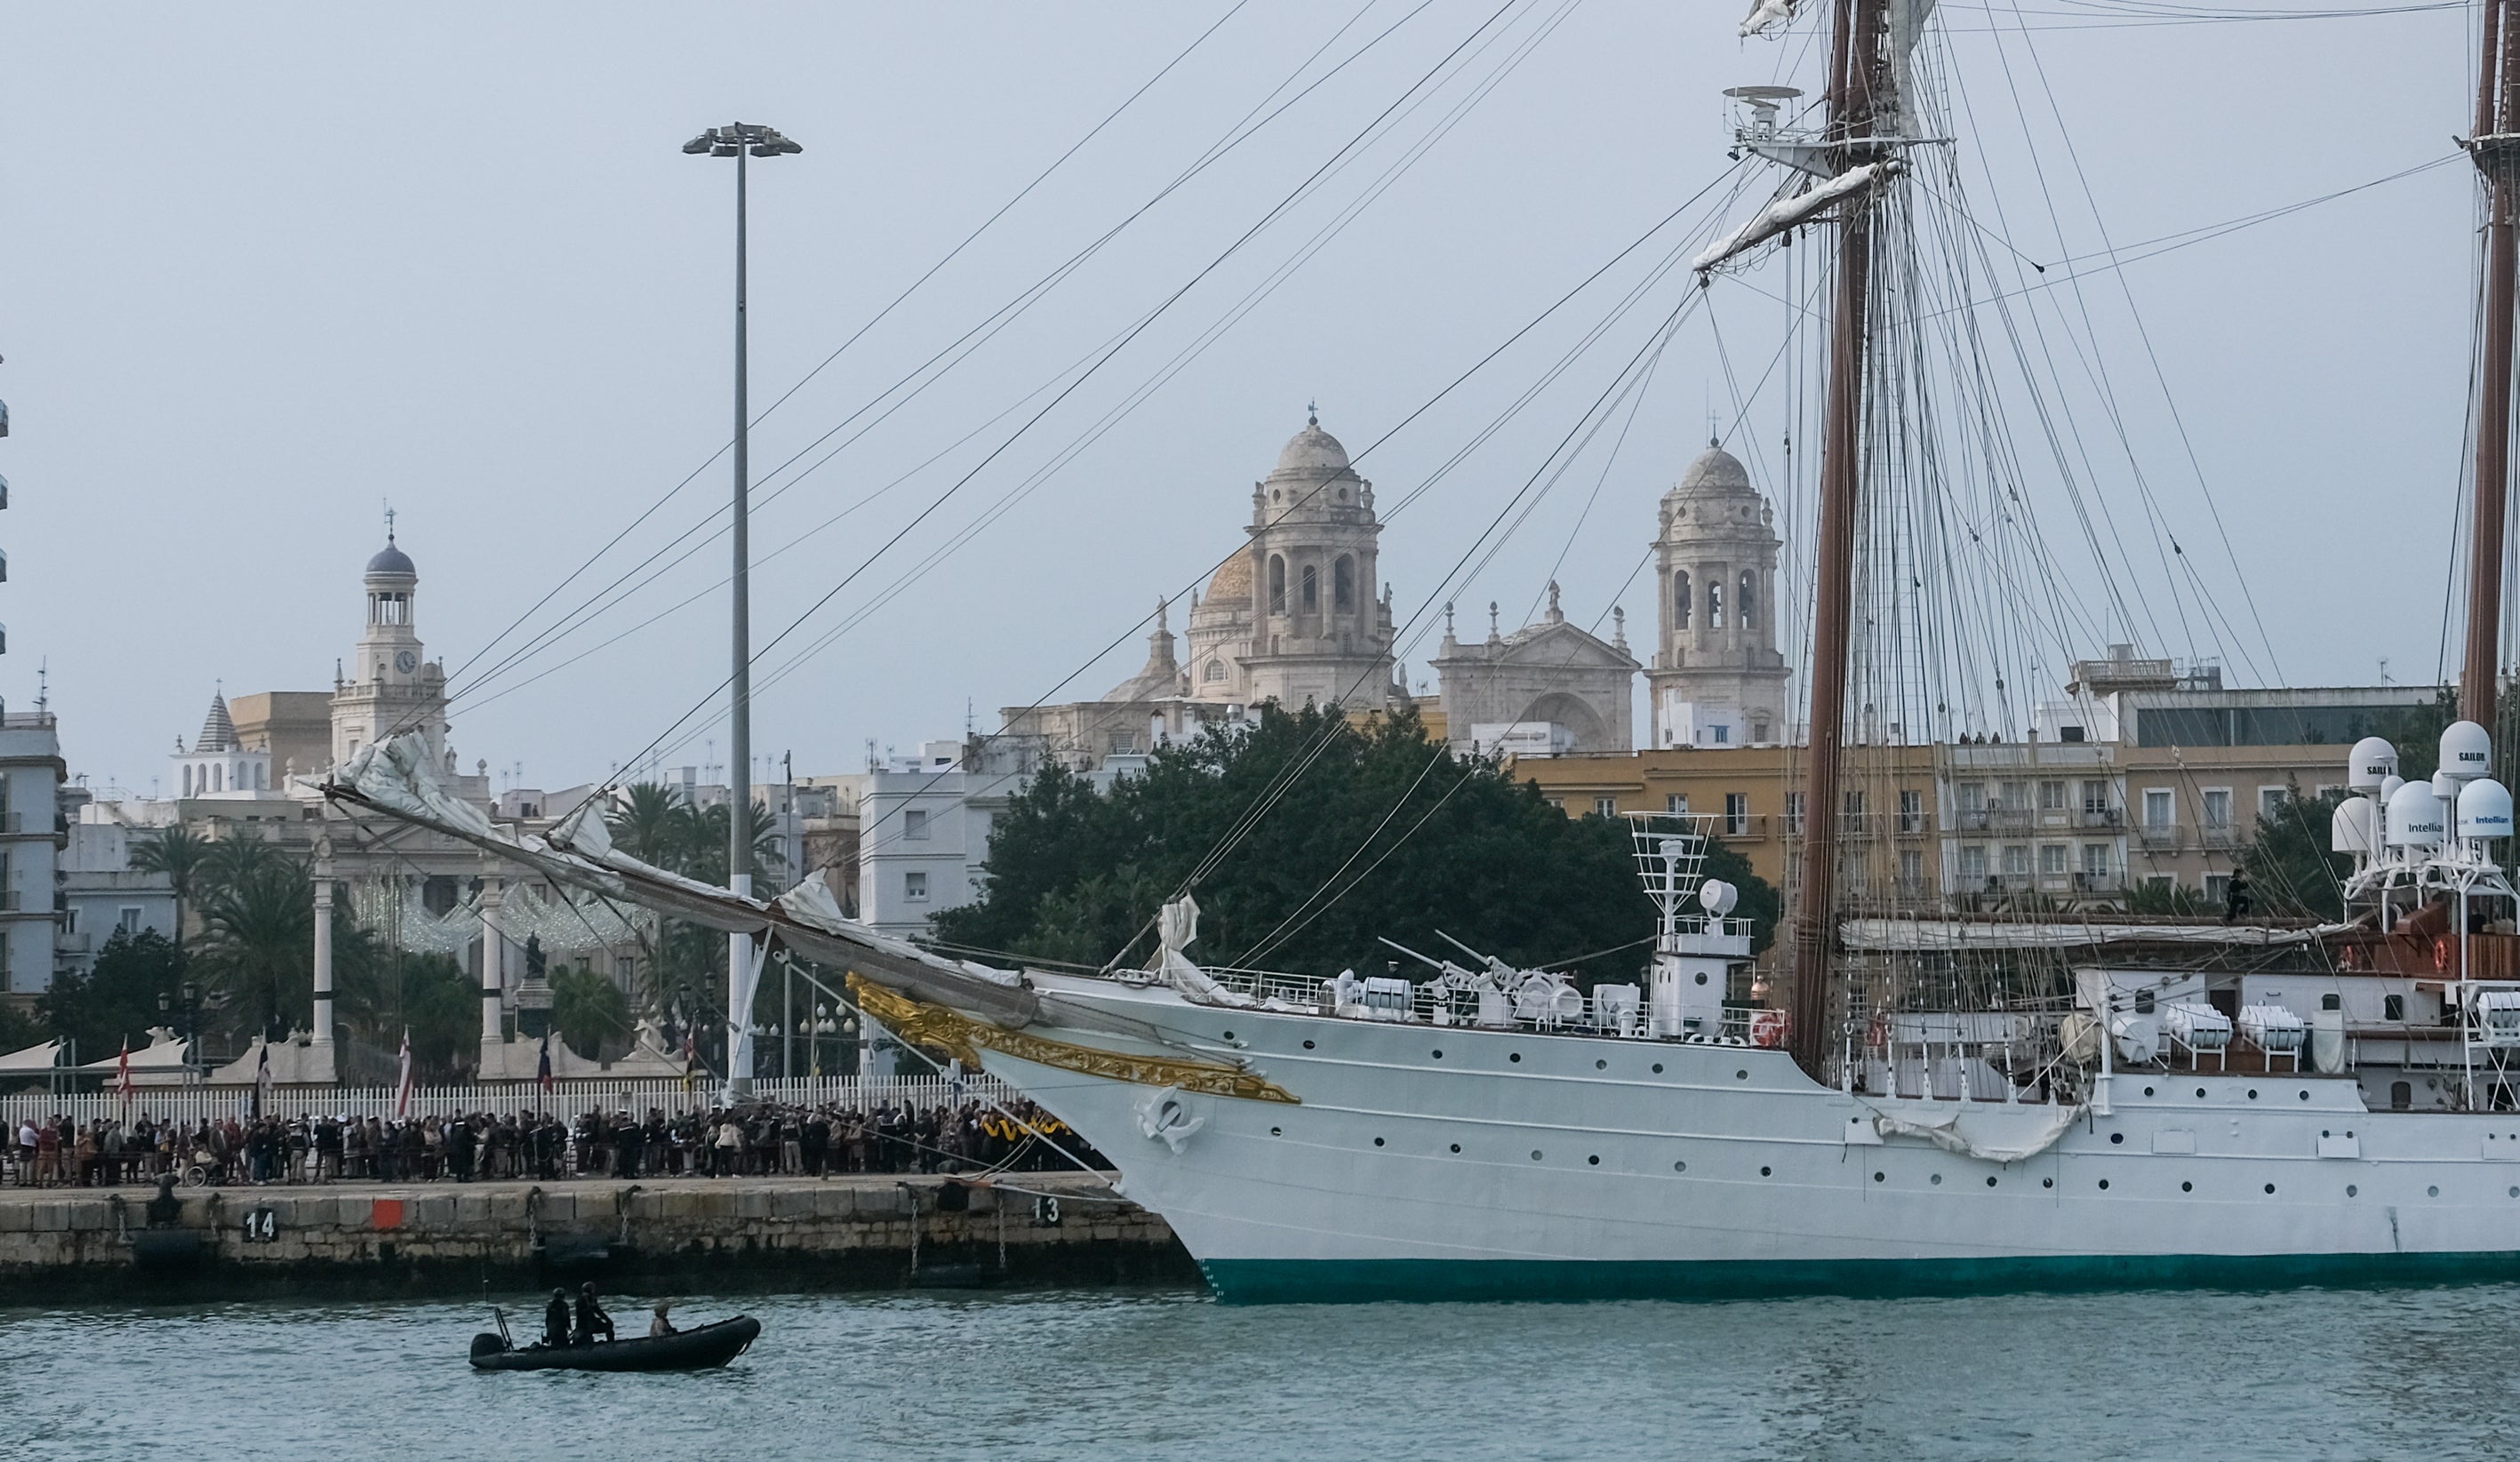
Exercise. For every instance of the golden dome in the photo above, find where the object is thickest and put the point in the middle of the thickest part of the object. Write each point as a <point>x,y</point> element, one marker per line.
<point>1232,580</point>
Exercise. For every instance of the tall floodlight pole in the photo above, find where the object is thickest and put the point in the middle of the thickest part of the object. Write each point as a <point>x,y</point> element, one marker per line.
<point>741,140</point>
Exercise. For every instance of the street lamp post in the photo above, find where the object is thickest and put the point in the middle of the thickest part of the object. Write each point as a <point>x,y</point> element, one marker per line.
<point>741,140</point>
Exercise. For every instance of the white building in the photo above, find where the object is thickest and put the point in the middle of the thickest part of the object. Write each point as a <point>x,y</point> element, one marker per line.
<point>31,839</point>
<point>102,892</point>
<point>923,828</point>
<point>1718,678</point>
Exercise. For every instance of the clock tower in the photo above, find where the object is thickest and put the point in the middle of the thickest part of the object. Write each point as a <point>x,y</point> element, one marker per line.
<point>388,687</point>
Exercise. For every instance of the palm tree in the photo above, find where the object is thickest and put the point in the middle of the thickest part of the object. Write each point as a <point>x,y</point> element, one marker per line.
<point>652,824</point>
<point>590,1013</point>
<point>179,854</point>
<point>259,947</point>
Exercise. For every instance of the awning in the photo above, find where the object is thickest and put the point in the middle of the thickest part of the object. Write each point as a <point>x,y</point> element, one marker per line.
<point>34,1059</point>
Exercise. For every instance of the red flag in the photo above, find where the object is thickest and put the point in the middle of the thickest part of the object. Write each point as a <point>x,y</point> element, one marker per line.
<point>122,1071</point>
<point>402,1084</point>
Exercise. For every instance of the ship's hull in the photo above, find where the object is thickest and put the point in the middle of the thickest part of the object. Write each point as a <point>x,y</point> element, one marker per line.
<point>1425,1162</point>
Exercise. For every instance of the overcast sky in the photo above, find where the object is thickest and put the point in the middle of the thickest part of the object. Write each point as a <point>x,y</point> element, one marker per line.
<point>268,268</point>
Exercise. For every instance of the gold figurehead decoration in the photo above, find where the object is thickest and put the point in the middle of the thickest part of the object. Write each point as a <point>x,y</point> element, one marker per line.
<point>952,1031</point>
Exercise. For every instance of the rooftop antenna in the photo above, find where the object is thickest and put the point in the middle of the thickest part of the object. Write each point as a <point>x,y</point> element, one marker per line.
<point>43,687</point>
<point>2384,670</point>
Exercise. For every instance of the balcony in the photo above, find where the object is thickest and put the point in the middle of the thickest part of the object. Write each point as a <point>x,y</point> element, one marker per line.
<point>2217,835</point>
<point>1749,828</point>
<point>1859,825</point>
<point>2097,881</point>
<point>2160,838</point>
<point>1973,819</point>
<point>2102,817</point>
<point>1915,825</point>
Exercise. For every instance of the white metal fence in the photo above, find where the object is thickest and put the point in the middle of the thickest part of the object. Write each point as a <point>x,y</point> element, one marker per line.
<point>566,1098</point>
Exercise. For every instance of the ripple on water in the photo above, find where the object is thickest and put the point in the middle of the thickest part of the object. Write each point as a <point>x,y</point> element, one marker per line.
<point>1107,1375</point>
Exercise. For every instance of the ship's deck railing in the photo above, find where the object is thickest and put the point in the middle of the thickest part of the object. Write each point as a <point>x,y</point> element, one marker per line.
<point>1428,1002</point>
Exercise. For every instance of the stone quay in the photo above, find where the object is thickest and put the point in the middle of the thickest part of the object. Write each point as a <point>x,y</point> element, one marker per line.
<point>774,1234</point>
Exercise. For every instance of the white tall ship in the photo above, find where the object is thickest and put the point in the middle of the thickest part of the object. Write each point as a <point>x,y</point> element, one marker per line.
<point>1943,1103</point>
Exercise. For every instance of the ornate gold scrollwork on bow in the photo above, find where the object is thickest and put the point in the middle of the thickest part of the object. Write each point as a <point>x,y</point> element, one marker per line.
<point>952,1031</point>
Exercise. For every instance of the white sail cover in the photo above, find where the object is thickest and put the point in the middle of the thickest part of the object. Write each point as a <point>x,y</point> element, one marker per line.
<point>1997,1131</point>
<point>1792,212</point>
<point>393,777</point>
<point>1942,935</point>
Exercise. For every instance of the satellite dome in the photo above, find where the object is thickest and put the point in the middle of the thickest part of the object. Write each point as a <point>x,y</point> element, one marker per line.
<point>392,560</point>
<point>2466,751</point>
<point>2389,785</point>
<point>2372,762</point>
<point>2485,809</point>
<point>2414,817</point>
<point>2356,824</point>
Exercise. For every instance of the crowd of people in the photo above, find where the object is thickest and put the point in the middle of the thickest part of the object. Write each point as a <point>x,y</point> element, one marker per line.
<point>759,1140</point>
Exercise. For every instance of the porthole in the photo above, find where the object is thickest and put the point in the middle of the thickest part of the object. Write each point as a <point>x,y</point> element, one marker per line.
<point>2252,1094</point>
<point>2324,1132</point>
<point>1439,1055</point>
<point>2200,1094</point>
<point>1513,1055</point>
<point>1936,1180</point>
<point>2116,1138</point>
<point>2428,1192</point>
<point>1595,1160</point>
<point>2351,1190</point>
<point>1769,1173</point>
<point>1229,1035</point>
<point>1377,1141</point>
<point>2271,1187</point>
<point>1276,1131</point>
<point>1600,1066</point>
<point>1308,1045</point>
<point>2104,1186</point>
<point>1535,1154</point>
<point>2148,1090</point>
<point>1990,1182</point>
<point>1657,1068</point>
<point>2515,1192</point>
<point>1881,1178</point>
<point>1741,1076</point>
<point>1456,1147</point>
<point>2047,1182</point>
<point>2187,1187</point>
<point>1680,1166</point>
<point>2305,1096</point>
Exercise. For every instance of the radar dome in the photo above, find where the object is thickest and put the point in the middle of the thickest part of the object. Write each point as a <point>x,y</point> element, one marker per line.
<point>2466,751</point>
<point>2389,785</point>
<point>2356,825</point>
<point>2485,809</point>
<point>2372,762</point>
<point>2414,817</point>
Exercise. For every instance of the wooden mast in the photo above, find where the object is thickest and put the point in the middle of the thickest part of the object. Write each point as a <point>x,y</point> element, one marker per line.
<point>2497,107</point>
<point>1856,62</point>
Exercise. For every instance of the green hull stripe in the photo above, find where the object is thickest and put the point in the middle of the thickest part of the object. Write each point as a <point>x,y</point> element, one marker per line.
<point>1266,1281</point>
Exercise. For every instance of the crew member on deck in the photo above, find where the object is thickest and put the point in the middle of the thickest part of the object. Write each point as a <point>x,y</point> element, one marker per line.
<point>591,1319</point>
<point>556,1320</point>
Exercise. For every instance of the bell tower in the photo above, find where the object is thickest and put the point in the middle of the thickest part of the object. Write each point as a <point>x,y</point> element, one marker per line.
<point>388,687</point>
<point>1717,679</point>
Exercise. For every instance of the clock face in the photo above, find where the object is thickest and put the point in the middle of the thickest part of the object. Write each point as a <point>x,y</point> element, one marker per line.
<point>406,662</point>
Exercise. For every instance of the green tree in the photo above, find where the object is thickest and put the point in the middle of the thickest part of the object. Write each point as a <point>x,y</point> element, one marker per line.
<point>179,854</point>
<point>1369,831</point>
<point>2288,864</point>
<point>258,943</point>
<point>116,1000</point>
<point>650,822</point>
<point>591,1013</point>
<point>429,995</point>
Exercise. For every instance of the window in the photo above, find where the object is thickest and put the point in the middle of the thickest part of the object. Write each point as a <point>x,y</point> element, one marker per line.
<point>1746,607</point>
<point>1676,802</point>
<point>624,970</point>
<point>2095,861</point>
<point>1680,600</point>
<point>1312,588</point>
<point>2017,860</point>
<point>1343,584</point>
<point>1794,814</point>
<point>1736,812</point>
<point>2218,808</point>
<point>1559,803</point>
<point>914,886</point>
<point>127,918</point>
<point>2402,1095</point>
<point>1719,734</point>
<point>1912,869</point>
<point>2156,809</point>
<point>2096,799</point>
<point>1972,796</point>
<point>69,921</point>
<point>2052,860</point>
<point>1276,585</point>
<point>1912,811</point>
<point>2016,795</point>
<point>2052,796</point>
<point>2218,887</point>
<point>1759,733</point>
<point>913,824</point>
<point>1973,864</point>
<point>1608,807</point>
<point>1215,671</point>
<point>2393,1008</point>
<point>2270,800</point>
<point>1715,606</point>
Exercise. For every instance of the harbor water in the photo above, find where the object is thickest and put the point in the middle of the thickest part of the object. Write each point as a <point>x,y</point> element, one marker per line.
<point>1170,1374</point>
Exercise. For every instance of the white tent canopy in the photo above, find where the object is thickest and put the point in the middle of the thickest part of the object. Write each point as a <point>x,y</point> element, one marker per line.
<point>32,1059</point>
<point>164,1055</point>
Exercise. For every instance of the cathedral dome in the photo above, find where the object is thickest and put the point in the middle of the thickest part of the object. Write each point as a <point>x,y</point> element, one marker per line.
<point>1233,581</point>
<point>1313,450</point>
<point>392,560</point>
<point>1715,472</point>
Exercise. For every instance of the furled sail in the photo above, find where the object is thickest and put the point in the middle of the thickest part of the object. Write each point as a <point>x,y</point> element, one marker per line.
<point>1792,212</point>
